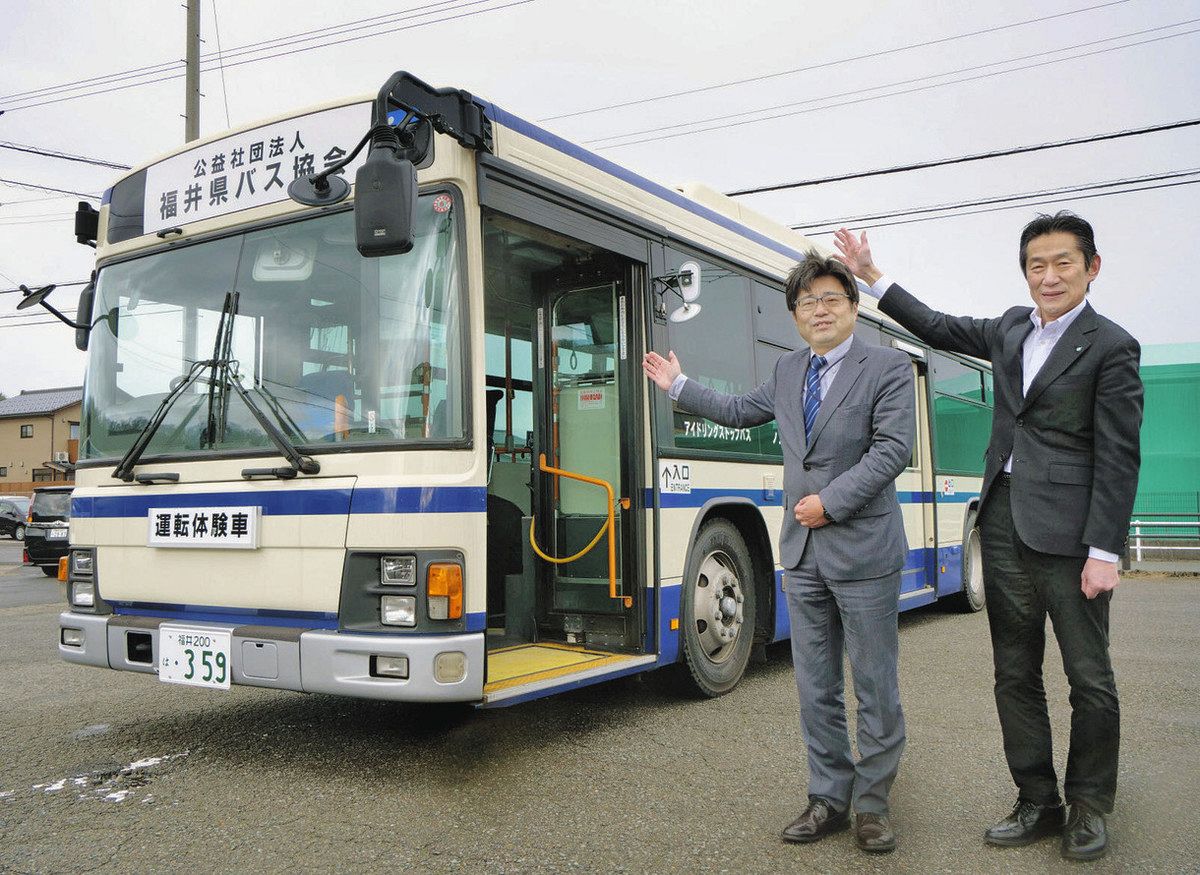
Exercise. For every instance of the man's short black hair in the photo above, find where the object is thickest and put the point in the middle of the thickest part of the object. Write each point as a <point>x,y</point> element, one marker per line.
<point>1063,220</point>
<point>812,268</point>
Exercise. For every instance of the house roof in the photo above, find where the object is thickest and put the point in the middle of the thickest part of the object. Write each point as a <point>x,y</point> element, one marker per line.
<point>40,402</point>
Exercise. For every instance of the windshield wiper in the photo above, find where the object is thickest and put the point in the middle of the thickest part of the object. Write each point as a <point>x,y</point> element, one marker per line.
<point>224,376</point>
<point>218,400</point>
<point>124,469</point>
<point>301,464</point>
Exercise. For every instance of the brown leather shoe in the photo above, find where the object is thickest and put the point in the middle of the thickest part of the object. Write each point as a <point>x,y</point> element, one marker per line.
<point>874,833</point>
<point>817,821</point>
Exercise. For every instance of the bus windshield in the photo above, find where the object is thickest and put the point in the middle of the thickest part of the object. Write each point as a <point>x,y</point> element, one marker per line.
<point>335,348</point>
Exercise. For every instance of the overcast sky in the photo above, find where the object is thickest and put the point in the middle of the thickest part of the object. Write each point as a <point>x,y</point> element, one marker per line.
<point>545,60</point>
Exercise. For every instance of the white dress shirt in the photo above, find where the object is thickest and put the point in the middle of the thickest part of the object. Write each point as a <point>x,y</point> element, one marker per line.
<point>1034,353</point>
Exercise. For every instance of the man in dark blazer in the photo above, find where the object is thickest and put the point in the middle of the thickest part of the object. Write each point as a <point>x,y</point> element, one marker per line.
<point>1058,488</point>
<point>846,421</point>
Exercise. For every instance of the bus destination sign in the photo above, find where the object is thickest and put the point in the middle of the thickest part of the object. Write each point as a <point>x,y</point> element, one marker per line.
<point>251,169</point>
<point>229,528</point>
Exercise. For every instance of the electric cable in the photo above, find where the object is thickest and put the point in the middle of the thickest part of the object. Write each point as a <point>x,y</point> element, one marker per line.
<point>163,66</point>
<point>221,64</point>
<point>173,76</point>
<point>18,184</point>
<point>728,124</point>
<point>65,156</point>
<point>962,159</point>
<point>825,64</point>
<point>1082,197</point>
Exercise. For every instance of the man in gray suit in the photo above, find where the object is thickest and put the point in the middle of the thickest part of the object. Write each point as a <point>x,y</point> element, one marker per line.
<point>1059,481</point>
<point>846,419</point>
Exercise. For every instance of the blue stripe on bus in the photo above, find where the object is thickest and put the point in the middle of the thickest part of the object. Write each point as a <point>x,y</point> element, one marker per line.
<point>216,614</point>
<point>576,151</point>
<point>307,502</point>
<point>258,616</point>
<point>700,497</point>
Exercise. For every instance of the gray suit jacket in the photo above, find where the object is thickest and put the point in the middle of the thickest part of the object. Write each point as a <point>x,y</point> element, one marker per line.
<point>861,442</point>
<point>1074,438</point>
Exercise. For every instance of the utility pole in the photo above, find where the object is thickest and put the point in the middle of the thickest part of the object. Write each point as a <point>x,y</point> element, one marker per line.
<point>191,118</point>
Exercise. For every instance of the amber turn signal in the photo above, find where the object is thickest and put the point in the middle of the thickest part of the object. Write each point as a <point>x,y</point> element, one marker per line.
<point>444,588</point>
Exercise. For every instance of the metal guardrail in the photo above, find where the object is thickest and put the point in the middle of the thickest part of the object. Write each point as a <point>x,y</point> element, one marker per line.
<point>1146,527</point>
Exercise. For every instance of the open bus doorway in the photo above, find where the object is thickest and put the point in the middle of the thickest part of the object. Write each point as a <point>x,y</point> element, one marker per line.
<point>557,357</point>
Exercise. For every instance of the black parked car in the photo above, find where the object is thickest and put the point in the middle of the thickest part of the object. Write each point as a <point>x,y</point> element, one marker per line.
<point>13,510</point>
<point>48,530</point>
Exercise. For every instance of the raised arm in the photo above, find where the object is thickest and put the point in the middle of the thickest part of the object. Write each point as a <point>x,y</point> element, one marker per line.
<point>736,411</point>
<point>961,334</point>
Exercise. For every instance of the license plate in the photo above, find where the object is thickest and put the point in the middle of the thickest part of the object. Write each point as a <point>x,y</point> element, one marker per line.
<point>198,657</point>
<point>57,534</point>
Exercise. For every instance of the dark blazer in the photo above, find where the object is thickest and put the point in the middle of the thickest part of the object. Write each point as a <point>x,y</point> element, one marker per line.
<point>1073,439</point>
<point>861,441</point>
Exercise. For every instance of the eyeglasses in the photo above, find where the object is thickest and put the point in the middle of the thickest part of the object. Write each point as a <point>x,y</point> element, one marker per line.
<point>829,299</point>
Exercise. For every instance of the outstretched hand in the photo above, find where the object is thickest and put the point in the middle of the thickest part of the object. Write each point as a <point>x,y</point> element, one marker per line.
<point>856,255</point>
<point>661,371</point>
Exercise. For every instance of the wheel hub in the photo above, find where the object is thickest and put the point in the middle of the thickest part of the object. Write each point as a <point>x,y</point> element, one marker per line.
<point>718,599</point>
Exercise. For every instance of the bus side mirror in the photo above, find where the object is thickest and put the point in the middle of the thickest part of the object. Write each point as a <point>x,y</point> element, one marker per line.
<point>87,224</point>
<point>385,203</point>
<point>83,316</point>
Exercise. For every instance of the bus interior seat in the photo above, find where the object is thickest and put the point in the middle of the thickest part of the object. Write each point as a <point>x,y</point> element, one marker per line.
<point>315,416</point>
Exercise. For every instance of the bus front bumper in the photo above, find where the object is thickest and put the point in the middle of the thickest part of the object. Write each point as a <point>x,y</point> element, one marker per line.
<point>304,660</point>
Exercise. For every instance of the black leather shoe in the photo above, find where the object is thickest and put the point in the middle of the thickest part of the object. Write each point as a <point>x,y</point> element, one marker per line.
<point>817,821</point>
<point>874,833</point>
<point>1027,823</point>
<point>1084,837</point>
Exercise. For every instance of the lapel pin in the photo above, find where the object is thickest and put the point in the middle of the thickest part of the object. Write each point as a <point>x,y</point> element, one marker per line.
<point>1079,349</point>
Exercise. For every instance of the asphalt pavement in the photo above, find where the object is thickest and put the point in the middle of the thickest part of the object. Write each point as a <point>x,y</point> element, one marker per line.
<point>107,771</point>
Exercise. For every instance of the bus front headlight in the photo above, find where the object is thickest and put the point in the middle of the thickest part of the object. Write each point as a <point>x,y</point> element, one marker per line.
<point>398,610</point>
<point>83,593</point>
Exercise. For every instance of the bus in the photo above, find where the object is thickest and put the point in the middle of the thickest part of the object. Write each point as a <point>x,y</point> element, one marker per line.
<point>392,440</point>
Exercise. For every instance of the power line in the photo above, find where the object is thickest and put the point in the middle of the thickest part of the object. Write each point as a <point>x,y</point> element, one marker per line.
<point>65,156</point>
<point>1082,197</point>
<point>826,64</point>
<point>727,124</point>
<point>34,200</point>
<point>43,221</point>
<point>59,285</point>
<point>221,62</point>
<point>962,159</point>
<point>244,49</point>
<point>284,54</point>
<point>14,182</point>
<point>1153,177</point>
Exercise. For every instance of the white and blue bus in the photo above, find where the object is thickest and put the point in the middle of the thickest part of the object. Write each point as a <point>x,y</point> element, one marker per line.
<point>392,440</point>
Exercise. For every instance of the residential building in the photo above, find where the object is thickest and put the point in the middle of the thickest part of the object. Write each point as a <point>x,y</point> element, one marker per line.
<point>39,437</point>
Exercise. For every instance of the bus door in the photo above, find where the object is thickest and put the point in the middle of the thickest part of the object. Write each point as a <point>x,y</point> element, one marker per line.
<point>583,472</point>
<point>918,584</point>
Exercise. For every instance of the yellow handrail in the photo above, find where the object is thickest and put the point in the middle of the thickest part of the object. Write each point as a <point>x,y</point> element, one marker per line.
<point>607,527</point>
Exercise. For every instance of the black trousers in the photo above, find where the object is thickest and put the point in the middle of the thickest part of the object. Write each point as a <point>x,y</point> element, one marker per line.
<point>1023,586</point>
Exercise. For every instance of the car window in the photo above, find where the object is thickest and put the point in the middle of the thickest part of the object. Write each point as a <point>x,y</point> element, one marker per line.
<point>52,504</point>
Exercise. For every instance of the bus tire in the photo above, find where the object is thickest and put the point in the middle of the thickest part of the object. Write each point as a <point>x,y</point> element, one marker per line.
<point>718,609</point>
<point>971,599</point>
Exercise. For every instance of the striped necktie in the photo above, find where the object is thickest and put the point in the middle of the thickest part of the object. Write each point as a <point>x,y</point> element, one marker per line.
<point>812,393</point>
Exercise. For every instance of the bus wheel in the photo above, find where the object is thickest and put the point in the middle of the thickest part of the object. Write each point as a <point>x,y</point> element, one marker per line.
<point>718,609</point>
<point>971,599</point>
